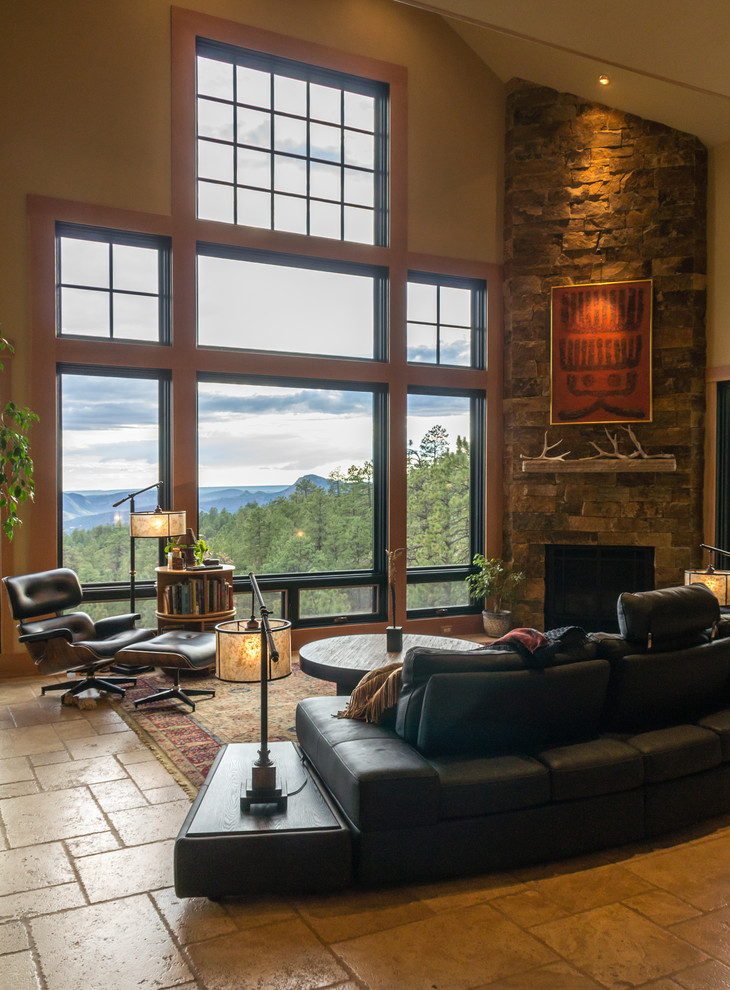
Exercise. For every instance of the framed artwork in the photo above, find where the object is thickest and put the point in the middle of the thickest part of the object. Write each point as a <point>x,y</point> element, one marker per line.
<point>600,360</point>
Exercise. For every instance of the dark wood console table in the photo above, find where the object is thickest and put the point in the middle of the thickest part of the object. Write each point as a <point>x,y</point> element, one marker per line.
<point>222,851</point>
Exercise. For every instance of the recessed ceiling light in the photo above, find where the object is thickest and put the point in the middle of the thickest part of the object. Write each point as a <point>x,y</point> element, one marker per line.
<point>604,80</point>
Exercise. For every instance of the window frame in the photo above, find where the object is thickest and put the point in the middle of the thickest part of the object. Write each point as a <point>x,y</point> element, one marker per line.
<point>477,493</point>
<point>184,359</point>
<point>478,288</point>
<point>291,583</point>
<point>105,235</point>
<point>309,73</point>
<point>117,590</point>
<point>378,274</point>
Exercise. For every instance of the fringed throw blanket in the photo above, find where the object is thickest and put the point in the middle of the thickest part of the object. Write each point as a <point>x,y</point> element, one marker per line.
<point>377,692</point>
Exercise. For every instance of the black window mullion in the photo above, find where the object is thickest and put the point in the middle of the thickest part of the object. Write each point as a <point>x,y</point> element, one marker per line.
<point>235,145</point>
<point>272,153</point>
<point>111,290</point>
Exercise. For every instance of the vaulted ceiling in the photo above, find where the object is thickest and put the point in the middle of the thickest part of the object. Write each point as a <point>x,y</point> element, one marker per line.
<point>666,60</point>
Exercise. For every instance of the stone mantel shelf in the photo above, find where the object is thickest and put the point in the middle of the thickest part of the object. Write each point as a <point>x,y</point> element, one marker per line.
<point>615,465</point>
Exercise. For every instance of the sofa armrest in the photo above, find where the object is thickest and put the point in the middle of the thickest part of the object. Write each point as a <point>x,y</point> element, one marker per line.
<point>42,637</point>
<point>379,781</point>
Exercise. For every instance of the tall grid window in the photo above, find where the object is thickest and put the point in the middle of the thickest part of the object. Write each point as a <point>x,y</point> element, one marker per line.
<point>446,320</point>
<point>288,413</point>
<point>289,147</point>
<point>112,284</point>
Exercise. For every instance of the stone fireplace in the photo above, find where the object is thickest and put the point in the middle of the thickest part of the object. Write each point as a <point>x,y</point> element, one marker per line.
<point>596,195</point>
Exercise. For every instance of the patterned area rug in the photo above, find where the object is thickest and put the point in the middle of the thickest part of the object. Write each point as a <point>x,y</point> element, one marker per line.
<point>187,742</point>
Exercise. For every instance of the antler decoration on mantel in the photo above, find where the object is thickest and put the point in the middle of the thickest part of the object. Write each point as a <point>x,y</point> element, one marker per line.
<point>638,452</point>
<point>603,460</point>
<point>543,455</point>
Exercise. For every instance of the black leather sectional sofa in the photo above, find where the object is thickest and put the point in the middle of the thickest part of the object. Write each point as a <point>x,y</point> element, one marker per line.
<point>491,762</point>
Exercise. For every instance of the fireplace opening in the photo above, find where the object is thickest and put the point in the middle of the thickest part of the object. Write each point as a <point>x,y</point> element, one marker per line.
<point>582,583</point>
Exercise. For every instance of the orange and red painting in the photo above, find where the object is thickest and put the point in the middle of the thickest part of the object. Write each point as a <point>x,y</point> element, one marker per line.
<point>601,353</point>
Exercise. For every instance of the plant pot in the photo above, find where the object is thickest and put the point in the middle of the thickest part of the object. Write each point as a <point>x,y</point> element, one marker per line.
<point>496,624</point>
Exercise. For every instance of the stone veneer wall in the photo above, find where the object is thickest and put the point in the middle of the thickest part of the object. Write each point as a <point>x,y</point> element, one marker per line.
<point>593,195</point>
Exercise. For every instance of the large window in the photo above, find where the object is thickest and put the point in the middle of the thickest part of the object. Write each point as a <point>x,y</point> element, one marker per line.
<point>445,526</point>
<point>289,147</point>
<point>309,403</point>
<point>110,444</point>
<point>255,301</point>
<point>290,480</point>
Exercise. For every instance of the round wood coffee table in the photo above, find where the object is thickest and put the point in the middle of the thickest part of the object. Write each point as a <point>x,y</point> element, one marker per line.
<point>346,659</point>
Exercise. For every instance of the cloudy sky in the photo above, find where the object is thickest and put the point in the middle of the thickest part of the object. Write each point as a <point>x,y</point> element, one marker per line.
<point>248,435</point>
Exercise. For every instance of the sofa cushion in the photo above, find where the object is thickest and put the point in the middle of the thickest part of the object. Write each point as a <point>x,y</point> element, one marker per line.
<point>669,618</point>
<point>719,723</point>
<point>677,751</point>
<point>653,690</point>
<point>485,786</point>
<point>421,662</point>
<point>379,780</point>
<point>512,712</point>
<point>600,766</point>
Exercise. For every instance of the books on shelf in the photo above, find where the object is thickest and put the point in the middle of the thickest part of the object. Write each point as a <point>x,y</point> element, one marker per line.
<point>198,596</point>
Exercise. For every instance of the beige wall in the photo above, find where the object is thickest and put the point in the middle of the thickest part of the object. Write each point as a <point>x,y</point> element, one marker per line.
<point>86,114</point>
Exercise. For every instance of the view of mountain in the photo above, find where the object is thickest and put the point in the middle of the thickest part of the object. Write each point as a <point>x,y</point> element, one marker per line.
<point>86,509</point>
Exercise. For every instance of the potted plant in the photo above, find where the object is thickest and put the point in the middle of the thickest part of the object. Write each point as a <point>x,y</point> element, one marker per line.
<point>495,582</point>
<point>16,467</point>
<point>187,552</point>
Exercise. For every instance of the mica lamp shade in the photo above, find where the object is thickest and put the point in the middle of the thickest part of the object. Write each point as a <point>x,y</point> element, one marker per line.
<point>160,523</point>
<point>238,651</point>
<point>717,581</point>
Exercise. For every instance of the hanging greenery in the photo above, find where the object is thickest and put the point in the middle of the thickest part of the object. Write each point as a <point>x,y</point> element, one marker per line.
<point>16,465</point>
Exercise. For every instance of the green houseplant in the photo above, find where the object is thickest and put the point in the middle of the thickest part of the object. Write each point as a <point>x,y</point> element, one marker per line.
<point>495,582</point>
<point>16,466</point>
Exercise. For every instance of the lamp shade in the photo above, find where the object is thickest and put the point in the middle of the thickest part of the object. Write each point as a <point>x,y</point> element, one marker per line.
<point>717,581</point>
<point>238,651</point>
<point>160,523</point>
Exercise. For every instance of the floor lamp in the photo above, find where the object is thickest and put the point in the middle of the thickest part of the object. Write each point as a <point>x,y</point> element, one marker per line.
<point>159,523</point>
<point>250,651</point>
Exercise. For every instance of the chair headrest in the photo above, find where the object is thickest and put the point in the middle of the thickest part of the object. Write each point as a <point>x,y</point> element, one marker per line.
<point>668,615</point>
<point>43,592</point>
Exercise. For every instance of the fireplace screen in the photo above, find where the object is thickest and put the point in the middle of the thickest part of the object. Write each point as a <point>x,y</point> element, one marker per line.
<point>582,583</point>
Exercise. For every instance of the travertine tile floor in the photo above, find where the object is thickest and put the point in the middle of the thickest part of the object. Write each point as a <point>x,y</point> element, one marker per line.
<point>87,822</point>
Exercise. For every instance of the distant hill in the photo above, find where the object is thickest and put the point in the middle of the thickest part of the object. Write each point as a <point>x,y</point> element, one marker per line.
<point>86,509</point>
